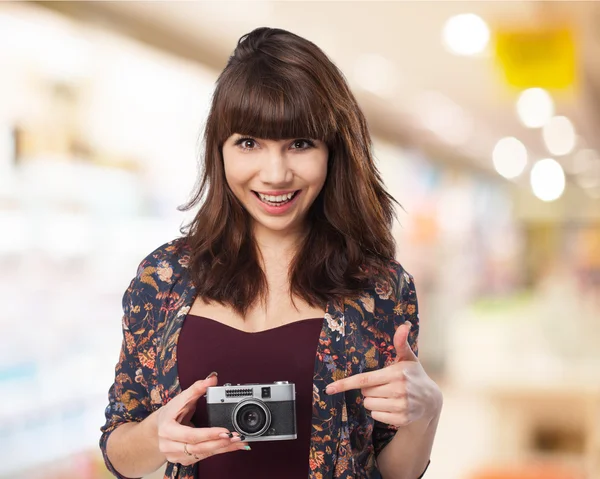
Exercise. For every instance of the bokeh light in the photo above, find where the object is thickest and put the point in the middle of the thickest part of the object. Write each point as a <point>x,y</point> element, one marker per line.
<point>547,179</point>
<point>559,135</point>
<point>509,157</point>
<point>535,107</point>
<point>465,34</point>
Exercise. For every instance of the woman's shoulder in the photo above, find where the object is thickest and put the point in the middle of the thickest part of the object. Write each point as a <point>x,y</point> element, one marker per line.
<point>164,267</point>
<point>400,276</point>
<point>390,283</point>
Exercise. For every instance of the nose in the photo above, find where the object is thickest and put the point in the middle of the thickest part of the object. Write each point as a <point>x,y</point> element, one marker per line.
<point>275,170</point>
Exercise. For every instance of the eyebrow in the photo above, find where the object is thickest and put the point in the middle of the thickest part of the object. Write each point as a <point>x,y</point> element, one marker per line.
<point>237,136</point>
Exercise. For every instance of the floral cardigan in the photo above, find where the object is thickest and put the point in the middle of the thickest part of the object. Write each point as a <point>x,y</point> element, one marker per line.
<point>356,337</point>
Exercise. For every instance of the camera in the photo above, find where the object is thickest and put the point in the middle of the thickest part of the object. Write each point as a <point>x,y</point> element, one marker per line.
<point>261,412</point>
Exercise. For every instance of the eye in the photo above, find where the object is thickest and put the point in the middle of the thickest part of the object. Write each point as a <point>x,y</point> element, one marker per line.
<point>246,143</point>
<point>301,141</point>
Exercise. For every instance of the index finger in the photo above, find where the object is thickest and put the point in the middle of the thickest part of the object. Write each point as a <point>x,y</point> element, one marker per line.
<point>359,381</point>
<point>191,394</point>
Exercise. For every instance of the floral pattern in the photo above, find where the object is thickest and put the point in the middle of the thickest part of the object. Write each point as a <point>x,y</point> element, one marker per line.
<point>356,337</point>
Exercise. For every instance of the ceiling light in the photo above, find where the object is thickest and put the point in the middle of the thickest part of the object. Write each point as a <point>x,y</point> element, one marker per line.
<point>547,179</point>
<point>535,107</point>
<point>465,34</point>
<point>509,157</point>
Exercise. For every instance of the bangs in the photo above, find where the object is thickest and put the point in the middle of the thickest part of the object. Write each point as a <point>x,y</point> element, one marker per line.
<point>274,107</point>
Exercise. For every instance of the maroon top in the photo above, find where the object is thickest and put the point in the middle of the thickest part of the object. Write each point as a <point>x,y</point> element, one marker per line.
<point>284,353</point>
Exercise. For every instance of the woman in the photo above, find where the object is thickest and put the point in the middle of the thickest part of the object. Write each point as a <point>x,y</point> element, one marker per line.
<point>286,273</point>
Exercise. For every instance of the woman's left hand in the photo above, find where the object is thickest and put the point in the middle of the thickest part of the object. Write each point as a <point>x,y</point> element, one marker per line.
<point>401,392</point>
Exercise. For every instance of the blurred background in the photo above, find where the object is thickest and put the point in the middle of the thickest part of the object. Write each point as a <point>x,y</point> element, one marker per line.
<point>485,120</point>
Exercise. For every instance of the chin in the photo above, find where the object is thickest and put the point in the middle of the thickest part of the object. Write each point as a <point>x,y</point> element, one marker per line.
<point>274,224</point>
<point>277,225</point>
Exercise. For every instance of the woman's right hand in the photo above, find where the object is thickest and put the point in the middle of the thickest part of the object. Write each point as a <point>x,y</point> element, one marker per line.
<point>175,436</point>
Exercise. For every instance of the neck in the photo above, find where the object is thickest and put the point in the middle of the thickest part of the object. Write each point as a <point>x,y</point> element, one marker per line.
<point>278,245</point>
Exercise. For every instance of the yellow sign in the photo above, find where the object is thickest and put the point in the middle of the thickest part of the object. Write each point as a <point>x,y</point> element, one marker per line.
<point>537,58</point>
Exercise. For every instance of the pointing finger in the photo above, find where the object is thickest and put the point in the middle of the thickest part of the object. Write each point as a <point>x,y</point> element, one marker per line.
<point>362,380</point>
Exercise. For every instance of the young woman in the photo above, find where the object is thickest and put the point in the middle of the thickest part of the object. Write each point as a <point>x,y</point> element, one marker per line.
<point>287,273</point>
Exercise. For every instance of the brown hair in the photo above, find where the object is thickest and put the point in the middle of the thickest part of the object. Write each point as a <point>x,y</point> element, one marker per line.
<point>277,85</point>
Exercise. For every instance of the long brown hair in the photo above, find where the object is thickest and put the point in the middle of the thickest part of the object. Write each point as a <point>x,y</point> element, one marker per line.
<point>277,85</point>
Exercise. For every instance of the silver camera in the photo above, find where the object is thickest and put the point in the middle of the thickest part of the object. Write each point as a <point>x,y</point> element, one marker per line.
<point>261,412</point>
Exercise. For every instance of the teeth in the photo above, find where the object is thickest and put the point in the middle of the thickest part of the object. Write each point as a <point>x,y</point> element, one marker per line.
<point>276,199</point>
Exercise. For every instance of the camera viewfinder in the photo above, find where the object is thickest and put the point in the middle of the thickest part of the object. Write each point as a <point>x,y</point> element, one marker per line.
<point>266,392</point>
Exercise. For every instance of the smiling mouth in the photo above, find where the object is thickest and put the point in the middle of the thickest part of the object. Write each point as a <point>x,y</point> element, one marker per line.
<point>276,200</point>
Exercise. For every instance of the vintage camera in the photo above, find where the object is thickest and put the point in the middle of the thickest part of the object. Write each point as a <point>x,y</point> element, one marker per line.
<point>261,412</point>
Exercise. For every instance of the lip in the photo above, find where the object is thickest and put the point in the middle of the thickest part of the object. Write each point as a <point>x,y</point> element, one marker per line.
<point>276,192</point>
<point>278,210</point>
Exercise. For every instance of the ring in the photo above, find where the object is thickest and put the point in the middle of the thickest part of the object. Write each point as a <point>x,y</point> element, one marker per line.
<point>185,449</point>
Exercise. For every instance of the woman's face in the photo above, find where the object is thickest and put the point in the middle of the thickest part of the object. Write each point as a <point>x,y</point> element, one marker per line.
<point>276,180</point>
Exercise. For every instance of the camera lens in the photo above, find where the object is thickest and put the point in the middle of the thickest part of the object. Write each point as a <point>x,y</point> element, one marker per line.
<point>251,418</point>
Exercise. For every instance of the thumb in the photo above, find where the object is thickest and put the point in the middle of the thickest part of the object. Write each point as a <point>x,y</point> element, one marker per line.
<point>403,350</point>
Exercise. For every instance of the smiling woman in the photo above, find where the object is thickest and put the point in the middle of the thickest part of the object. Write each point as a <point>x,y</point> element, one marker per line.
<point>286,275</point>
<point>282,120</point>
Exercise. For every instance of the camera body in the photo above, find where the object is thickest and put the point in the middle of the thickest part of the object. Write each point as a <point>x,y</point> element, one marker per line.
<point>261,412</point>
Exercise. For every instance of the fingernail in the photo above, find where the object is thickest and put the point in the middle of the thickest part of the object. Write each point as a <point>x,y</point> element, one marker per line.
<point>230,435</point>
<point>242,437</point>
<point>224,435</point>
<point>409,325</point>
<point>247,448</point>
<point>214,373</point>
